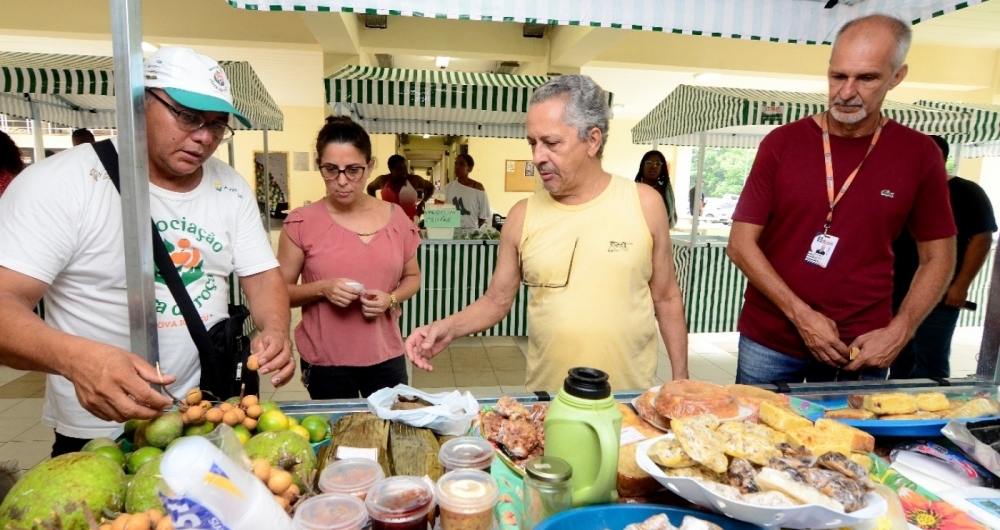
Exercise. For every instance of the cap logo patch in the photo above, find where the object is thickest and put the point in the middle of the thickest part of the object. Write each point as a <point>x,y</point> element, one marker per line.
<point>219,80</point>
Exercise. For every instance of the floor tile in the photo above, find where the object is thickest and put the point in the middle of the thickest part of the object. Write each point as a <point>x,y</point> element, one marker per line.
<point>8,403</point>
<point>435,379</point>
<point>431,390</point>
<point>484,378</point>
<point>37,433</point>
<point>27,408</point>
<point>470,365</point>
<point>510,377</point>
<point>490,342</point>
<point>467,353</point>
<point>467,342</point>
<point>11,428</point>
<point>32,376</point>
<point>483,391</point>
<point>20,389</point>
<point>512,389</point>
<point>500,364</point>
<point>504,352</point>
<point>27,454</point>
<point>290,396</point>
<point>8,374</point>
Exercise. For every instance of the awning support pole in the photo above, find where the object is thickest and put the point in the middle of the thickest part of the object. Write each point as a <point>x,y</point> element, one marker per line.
<point>696,213</point>
<point>36,128</point>
<point>267,188</point>
<point>126,33</point>
<point>958,157</point>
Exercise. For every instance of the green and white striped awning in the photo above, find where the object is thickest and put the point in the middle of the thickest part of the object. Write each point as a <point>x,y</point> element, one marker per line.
<point>801,21</point>
<point>78,91</point>
<point>983,138</point>
<point>733,117</point>
<point>403,101</point>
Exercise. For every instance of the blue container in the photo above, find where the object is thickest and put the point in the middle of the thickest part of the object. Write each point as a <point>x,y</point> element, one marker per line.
<point>618,516</point>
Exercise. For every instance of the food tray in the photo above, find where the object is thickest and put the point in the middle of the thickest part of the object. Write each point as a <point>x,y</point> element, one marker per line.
<point>745,412</point>
<point>903,428</point>
<point>616,517</point>
<point>802,516</point>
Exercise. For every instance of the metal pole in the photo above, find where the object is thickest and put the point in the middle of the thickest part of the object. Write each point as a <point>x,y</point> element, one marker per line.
<point>36,128</point>
<point>126,36</point>
<point>958,157</point>
<point>697,190</point>
<point>989,349</point>
<point>267,188</point>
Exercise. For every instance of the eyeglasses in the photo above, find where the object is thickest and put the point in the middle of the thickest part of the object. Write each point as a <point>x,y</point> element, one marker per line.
<point>569,268</point>
<point>332,172</point>
<point>653,163</point>
<point>192,121</point>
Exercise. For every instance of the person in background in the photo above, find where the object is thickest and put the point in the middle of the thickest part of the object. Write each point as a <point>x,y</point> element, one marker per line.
<point>356,257</point>
<point>401,187</point>
<point>594,250</point>
<point>928,354</point>
<point>10,161</point>
<point>818,260</point>
<point>468,196</point>
<point>61,228</point>
<point>82,136</point>
<point>653,172</point>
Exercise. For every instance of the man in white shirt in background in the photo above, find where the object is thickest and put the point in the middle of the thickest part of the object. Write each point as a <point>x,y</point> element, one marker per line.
<point>468,196</point>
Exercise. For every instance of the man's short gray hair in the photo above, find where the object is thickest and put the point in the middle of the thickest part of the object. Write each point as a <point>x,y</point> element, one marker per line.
<point>900,30</point>
<point>586,104</point>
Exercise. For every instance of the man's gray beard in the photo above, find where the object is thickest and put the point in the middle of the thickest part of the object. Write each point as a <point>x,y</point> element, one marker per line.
<point>850,118</point>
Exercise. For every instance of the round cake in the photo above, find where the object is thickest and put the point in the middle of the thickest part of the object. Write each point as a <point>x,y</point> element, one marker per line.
<point>752,396</point>
<point>685,398</point>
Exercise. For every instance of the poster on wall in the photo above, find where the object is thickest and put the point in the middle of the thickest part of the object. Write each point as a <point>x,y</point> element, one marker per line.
<point>520,176</point>
<point>277,166</point>
<point>510,166</point>
<point>529,169</point>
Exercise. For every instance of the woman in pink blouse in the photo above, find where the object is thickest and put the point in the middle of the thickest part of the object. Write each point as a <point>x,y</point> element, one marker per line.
<point>10,161</point>
<point>356,256</point>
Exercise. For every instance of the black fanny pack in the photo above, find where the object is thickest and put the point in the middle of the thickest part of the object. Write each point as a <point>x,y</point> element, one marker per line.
<point>224,349</point>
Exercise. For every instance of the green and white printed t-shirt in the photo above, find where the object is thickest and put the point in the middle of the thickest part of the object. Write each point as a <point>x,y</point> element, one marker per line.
<point>61,223</point>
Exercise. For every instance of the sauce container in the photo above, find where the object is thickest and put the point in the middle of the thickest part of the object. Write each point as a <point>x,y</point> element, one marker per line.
<point>331,512</point>
<point>466,499</point>
<point>466,452</point>
<point>400,503</point>
<point>351,476</point>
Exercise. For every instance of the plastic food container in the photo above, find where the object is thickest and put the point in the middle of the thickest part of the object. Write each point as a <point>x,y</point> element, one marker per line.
<point>466,452</point>
<point>331,512</point>
<point>400,503</point>
<point>351,476</point>
<point>466,499</point>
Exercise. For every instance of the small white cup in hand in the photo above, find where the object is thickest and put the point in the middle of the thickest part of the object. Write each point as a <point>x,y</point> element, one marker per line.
<point>356,285</point>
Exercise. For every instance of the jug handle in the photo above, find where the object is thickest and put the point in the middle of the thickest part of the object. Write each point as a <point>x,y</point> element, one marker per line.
<point>607,473</point>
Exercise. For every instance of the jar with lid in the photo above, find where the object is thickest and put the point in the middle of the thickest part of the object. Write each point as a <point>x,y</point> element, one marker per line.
<point>547,489</point>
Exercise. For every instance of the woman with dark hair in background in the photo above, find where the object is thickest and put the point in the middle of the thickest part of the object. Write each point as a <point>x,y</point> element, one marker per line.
<point>10,161</point>
<point>653,172</point>
<point>357,257</point>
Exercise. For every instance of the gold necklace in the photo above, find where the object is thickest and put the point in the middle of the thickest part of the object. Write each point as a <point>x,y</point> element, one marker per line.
<point>366,234</point>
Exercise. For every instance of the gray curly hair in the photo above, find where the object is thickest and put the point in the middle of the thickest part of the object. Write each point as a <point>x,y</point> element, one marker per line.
<point>586,105</point>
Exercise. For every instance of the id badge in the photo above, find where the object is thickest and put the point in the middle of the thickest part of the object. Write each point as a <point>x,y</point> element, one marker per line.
<point>821,249</point>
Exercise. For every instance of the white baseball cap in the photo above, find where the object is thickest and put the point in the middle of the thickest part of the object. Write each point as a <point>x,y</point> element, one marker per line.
<point>191,79</point>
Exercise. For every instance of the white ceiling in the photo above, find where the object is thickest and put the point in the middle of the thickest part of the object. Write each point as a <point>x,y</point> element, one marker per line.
<point>973,27</point>
<point>426,62</point>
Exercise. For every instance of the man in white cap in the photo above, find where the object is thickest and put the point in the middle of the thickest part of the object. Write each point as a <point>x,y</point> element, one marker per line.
<point>61,239</point>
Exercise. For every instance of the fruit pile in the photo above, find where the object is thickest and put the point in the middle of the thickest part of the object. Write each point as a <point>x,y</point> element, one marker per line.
<point>151,519</point>
<point>279,481</point>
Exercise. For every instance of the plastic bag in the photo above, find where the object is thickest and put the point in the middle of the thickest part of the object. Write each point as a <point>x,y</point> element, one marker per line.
<point>452,412</point>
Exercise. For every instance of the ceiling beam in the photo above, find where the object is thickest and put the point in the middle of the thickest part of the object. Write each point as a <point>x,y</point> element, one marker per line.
<point>336,33</point>
<point>454,38</point>
<point>575,46</point>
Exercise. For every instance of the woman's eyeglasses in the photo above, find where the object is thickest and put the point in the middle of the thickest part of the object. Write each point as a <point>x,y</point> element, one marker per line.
<point>653,163</point>
<point>569,268</point>
<point>332,172</point>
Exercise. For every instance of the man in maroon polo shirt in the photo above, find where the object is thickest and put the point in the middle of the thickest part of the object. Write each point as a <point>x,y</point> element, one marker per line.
<point>813,229</point>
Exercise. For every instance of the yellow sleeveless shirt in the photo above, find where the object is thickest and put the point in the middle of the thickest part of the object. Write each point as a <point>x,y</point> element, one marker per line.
<point>602,317</point>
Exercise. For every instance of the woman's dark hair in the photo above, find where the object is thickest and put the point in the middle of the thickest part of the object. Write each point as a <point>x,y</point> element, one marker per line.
<point>10,156</point>
<point>468,160</point>
<point>663,179</point>
<point>344,130</point>
<point>395,159</point>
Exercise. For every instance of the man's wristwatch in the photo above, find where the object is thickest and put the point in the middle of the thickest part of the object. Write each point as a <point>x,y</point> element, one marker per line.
<point>393,303</point>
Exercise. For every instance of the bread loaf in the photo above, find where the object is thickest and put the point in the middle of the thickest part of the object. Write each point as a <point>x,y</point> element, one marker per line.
<point>781,418</point>
<point>632,480</point>
<point>932,402</point>
<point>858,440</point>
<point>891,403</point>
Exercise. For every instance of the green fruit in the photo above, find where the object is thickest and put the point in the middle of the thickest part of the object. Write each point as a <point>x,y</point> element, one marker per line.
<point>286,450</point>
<point>173,443</point>
<point>131,426</point>
<point>199,430</point>
<point>142,493</point>
<point>112,452</point>
<point>90,446</point>
<point>139,440</point>
<point>234,401</point>
<point>60,488</point>
<point>272,420</point>
<point>317,427</point>
<point>242,433</point>
<point>141,457</point>
<point>269,405</point>
<point>164,429</point>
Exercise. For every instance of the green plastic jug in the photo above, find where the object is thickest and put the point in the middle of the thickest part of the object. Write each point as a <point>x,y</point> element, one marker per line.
<point>583,427</point>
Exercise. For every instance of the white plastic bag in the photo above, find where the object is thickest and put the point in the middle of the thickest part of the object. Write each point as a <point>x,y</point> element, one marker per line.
<point>452,412</point>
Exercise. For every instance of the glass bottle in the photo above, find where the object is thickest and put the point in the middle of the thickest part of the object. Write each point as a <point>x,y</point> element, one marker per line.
<point>547,489</point>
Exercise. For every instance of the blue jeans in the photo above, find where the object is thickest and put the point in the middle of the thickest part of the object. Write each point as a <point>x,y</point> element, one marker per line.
<point>760,365</point>
<point>927,355</point>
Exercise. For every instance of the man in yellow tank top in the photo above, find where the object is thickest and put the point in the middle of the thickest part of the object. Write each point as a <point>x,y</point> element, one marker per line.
<point>594,250</point>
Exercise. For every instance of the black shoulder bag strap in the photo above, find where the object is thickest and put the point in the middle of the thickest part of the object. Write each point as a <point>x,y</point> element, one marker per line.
<point>196,327</point>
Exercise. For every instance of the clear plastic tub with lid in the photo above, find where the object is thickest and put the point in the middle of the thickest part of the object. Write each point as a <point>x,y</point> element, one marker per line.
<point>466,499</point>
<point>400,503</point>
<point>351,476</point>
<point>466,452</point>
<point>331,511</point>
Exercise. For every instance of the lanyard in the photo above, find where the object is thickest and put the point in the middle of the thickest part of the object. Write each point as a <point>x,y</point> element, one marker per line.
<point>828,158</point>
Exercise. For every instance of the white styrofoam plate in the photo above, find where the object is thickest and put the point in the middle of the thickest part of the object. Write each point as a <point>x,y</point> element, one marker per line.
<point>657,421</point>
<point>802,516</point>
